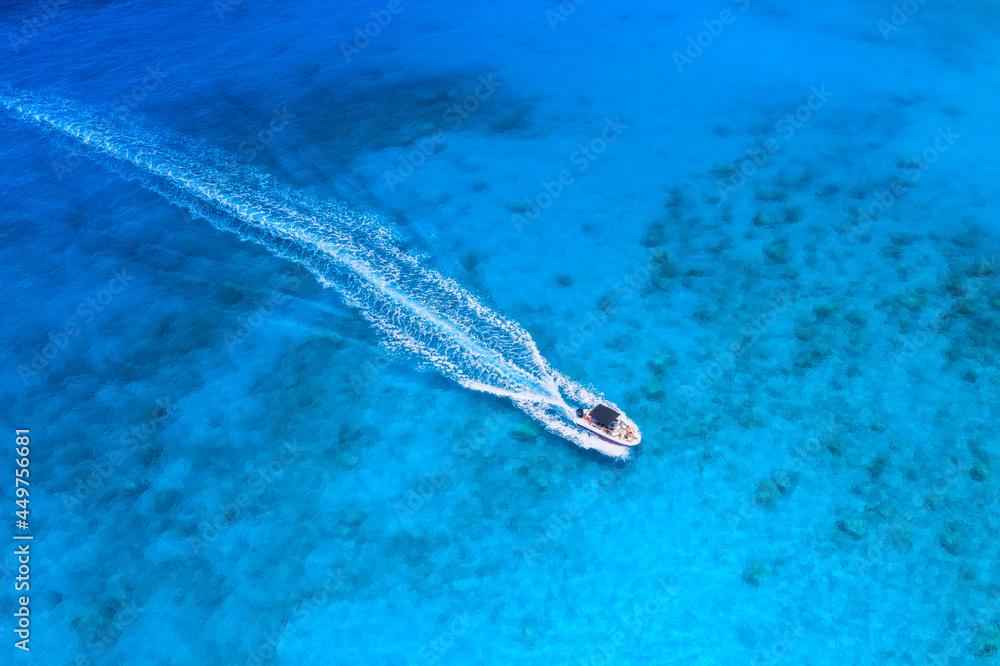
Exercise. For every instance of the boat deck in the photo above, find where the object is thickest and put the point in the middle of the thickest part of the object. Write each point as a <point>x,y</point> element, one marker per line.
<point>623,433</point>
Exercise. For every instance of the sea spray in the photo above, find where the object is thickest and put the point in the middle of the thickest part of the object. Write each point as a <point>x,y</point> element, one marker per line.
<point>417,310</point>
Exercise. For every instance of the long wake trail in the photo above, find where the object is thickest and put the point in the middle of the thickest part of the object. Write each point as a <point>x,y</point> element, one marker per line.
<point>417,310</point>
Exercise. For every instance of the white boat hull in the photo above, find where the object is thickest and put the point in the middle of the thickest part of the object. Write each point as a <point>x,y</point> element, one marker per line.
<point>625,432</point>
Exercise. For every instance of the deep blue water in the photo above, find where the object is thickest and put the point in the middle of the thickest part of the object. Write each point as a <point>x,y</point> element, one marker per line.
<point>767,230</point>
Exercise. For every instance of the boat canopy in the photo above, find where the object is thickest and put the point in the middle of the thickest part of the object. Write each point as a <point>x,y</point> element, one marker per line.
<point>603,415</point>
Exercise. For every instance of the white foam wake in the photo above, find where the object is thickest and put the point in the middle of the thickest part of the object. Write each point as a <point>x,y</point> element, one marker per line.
<point>417,310</point>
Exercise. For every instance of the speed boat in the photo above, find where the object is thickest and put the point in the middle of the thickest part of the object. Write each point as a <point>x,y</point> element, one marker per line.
<point>611,426</point>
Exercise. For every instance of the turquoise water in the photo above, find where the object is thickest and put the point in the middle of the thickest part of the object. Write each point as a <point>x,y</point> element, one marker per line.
<point>271,428</point>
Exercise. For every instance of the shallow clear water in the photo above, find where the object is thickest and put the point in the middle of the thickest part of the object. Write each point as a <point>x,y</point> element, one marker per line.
<point>773,245</point>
